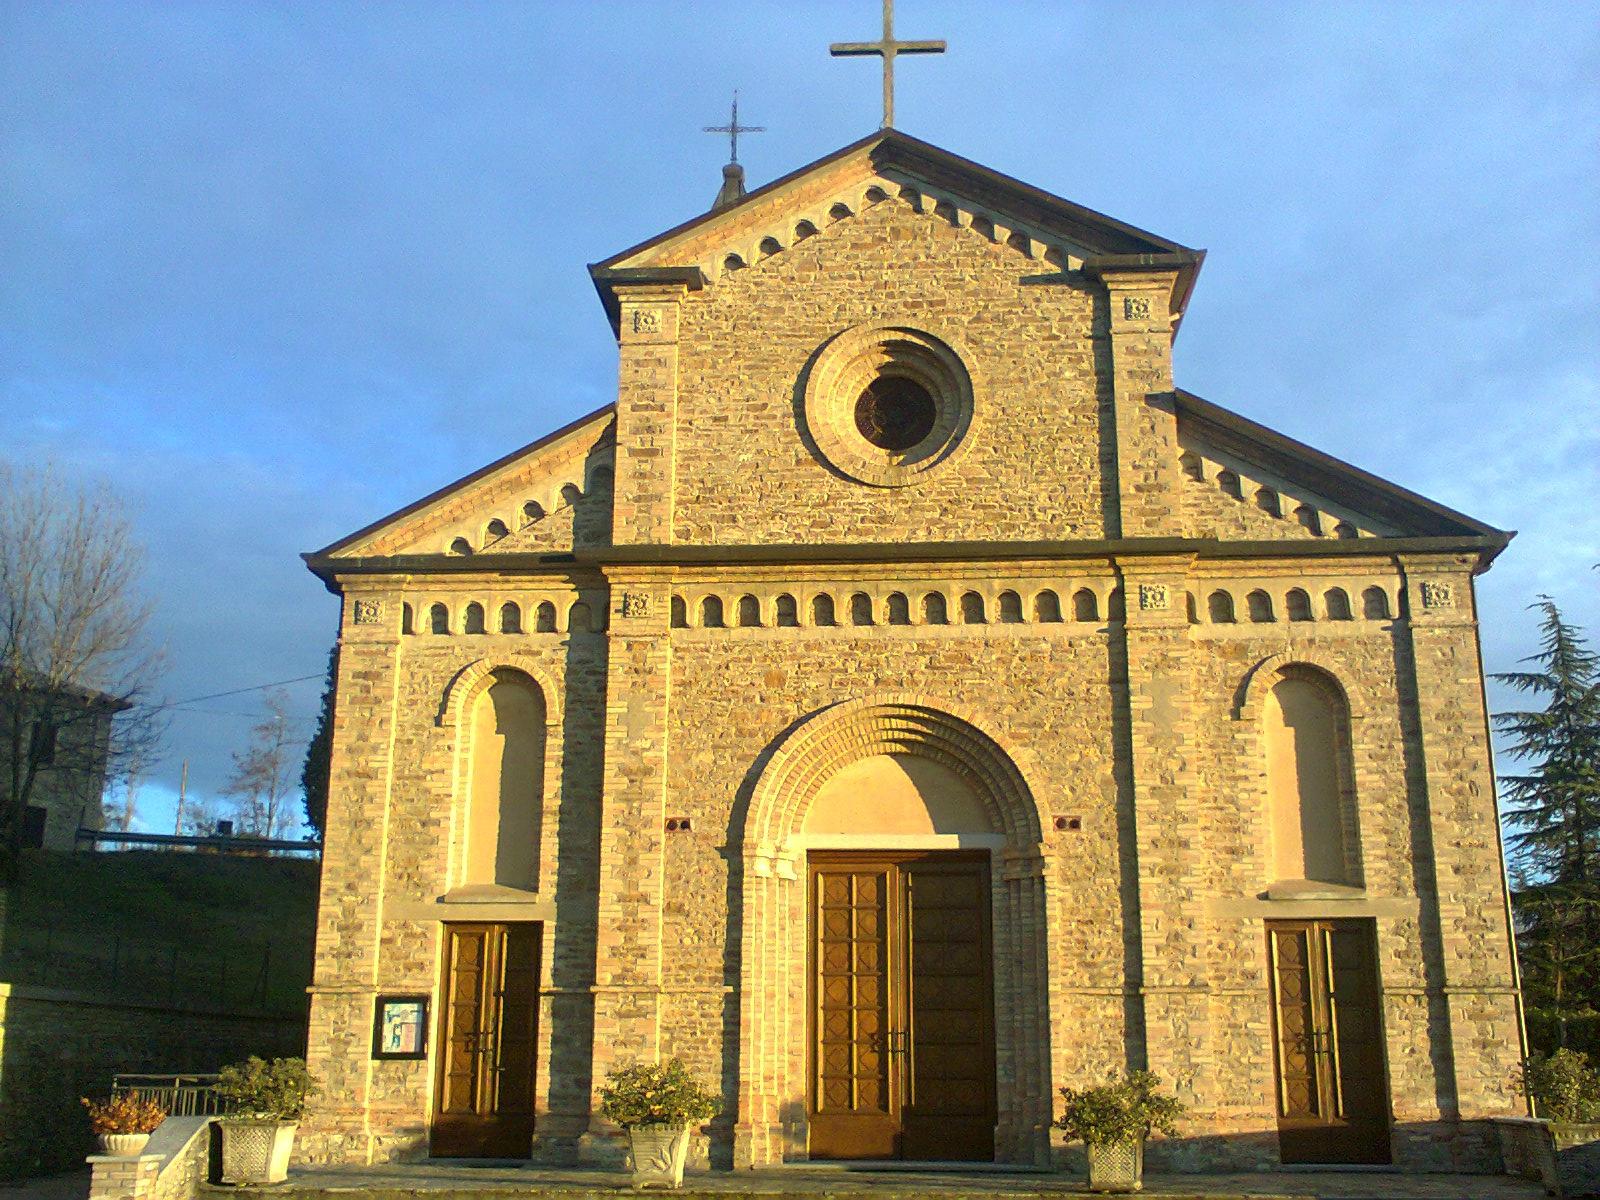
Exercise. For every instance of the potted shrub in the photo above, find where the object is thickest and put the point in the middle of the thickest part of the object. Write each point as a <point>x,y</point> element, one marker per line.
<point>123,1123</point>
<point>1113,1121</point>
<point>656,1104</point>
<point>264,1101</point>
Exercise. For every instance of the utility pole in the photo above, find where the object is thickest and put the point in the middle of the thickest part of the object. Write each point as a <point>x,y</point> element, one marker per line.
<point>183,786</point>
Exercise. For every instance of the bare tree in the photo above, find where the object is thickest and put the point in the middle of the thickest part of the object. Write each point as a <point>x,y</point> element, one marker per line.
<point>121,813</point>
<point>74,648</point>
<point>260,784</point>
<point>200,816</point>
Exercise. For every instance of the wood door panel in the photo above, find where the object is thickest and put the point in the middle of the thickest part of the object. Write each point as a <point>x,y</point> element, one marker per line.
<point>1328,1042</point>
<point>514,1046</point>
<point>902,1032</point>
<point>463,1021</point>
<point>950,1112</point>
<point>483,1106</point>
<point>853,1100</point>
<point>1299,1089</point>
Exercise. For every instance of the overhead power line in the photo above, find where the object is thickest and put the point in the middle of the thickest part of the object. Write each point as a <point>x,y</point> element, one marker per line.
<point>238,691</point>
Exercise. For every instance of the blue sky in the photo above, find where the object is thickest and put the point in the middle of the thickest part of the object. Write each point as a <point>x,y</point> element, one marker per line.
<point>274,270</point>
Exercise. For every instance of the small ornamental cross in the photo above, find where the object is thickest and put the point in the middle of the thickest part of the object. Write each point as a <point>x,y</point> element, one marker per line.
<point>887,49</point>
<point>733,129</point>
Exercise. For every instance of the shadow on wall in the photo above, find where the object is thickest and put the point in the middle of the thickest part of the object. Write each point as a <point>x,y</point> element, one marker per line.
<point>140,962</point>
<point>577,866</point>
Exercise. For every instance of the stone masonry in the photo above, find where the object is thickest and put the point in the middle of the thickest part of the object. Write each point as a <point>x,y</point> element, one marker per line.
<point>1082,605</point>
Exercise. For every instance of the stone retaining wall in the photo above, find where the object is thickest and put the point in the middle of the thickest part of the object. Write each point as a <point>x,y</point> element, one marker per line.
<point>57,1046</point>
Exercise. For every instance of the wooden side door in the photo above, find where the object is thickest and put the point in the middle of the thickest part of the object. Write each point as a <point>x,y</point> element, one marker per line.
<point>949,1105</point>
<point>483,1102</point>
<point>902,1028</point>
<point>855,1096</point>
<point>1328,1042</point>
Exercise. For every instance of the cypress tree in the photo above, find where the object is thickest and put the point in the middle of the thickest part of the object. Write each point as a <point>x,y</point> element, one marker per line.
<point>314,774</point>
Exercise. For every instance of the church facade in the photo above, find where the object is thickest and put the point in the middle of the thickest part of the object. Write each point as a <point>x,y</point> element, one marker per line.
<point>903,702</point>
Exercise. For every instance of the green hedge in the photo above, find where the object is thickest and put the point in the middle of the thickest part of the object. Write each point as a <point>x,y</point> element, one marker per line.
<point>1582,1032</point>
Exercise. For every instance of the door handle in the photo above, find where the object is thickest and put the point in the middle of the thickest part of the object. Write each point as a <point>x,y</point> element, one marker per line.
<point>898,1041</point>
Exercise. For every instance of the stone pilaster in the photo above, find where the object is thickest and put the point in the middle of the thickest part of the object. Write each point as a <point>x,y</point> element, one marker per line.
<point>1167,821</point>
<point>355,848</point>
<point>1474,946</point>
<point>632,826</point>
<point>1023,1129</point>
<point>647,412</point>
<point>1145,423</point>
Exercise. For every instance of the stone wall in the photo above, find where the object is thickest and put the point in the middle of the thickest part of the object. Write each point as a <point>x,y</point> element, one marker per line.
<point>57,1046</point>
<point>1032,467</point>
<point>1155,915</point>
<point>175,1164</point>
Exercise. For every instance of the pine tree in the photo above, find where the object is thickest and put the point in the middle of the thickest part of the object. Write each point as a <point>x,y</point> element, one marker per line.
<point>1556,818</point>
<point>1555,828</point>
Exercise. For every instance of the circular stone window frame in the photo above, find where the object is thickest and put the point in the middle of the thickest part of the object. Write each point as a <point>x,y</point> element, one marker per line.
<point>841,371</point>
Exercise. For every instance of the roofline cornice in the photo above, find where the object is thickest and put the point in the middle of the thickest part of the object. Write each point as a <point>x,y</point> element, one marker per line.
<point>607,281</point>
<point>895,151</point>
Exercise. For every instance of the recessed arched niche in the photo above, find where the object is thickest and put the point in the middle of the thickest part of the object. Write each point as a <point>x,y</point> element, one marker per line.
<point>505,786</point>
<point>1311,797</point>
<point>898,795</point>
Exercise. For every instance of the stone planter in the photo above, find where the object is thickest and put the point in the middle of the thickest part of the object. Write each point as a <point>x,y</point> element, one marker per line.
<point>123,1145</point>
<point>256,1151</point>
<point>658,1152</point>
<point>1116,1166</point>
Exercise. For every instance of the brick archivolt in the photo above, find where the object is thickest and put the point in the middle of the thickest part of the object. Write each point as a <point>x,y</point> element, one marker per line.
<point>1252,695</point>
<point>477,677</point>
<point>826,742</point>
<point>770,1122</point>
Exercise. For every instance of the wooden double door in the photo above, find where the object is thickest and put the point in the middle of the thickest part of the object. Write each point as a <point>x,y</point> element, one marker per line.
<point>902,1061</point>
<point>1328,1042</point>
<point>483,1102</point>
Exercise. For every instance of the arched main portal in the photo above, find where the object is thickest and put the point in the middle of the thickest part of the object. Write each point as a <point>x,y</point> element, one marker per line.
<point>897,776</point>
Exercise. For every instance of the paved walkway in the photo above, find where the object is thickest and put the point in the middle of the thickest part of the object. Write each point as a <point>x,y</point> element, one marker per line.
<point>69,1185</point>
<point>433,1182</point>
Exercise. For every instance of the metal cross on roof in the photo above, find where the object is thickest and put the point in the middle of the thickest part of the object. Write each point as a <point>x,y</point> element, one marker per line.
<point>733,129</point>
<point>887,49</point>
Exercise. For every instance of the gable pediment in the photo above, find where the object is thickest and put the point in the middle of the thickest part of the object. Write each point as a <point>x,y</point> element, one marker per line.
<point>1242,481</point>
<point>889,165</point>
<point>550,495</point>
